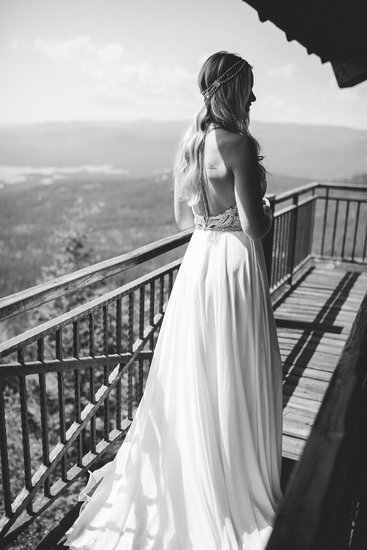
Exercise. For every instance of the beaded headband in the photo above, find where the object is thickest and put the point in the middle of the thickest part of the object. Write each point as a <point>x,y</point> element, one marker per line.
<point>210,90</point>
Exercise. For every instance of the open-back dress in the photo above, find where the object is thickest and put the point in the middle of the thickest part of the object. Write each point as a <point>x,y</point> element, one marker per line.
<point>200,466</point>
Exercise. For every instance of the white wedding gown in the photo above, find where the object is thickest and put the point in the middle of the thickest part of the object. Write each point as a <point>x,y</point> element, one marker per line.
<point>200,466</point>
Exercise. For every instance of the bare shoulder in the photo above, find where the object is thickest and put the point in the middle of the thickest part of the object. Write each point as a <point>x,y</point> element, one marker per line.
<point>236,149</point>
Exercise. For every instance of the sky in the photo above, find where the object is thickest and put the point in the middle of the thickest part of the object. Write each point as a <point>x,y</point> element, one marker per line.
<point>65,60</point>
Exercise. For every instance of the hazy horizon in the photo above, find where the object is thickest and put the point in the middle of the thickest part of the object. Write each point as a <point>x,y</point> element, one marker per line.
<point>147,148</point>
<point>173,120</point>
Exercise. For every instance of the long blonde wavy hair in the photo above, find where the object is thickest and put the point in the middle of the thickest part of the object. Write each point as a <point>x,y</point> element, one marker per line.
<point>225,109</point>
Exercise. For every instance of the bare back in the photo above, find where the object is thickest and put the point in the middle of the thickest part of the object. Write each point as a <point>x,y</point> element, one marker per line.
<point>232,178</point>
<point>219,179</point>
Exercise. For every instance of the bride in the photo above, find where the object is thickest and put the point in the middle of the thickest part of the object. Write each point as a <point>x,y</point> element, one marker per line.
<point>200,466</point>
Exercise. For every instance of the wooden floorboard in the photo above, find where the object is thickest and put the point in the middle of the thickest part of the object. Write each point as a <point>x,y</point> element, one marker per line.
<point>313,324</point>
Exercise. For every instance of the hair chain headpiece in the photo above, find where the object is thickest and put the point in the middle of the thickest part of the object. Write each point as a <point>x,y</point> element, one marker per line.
<point>210,90</point>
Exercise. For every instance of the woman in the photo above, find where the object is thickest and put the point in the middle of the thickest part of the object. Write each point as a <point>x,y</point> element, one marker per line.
<point>200,466</point>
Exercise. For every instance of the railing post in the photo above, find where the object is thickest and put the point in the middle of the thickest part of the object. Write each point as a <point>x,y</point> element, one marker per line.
<point>293,231</point>
<point>325,219</point>
<point>311,236</point>
<point>268,240</point>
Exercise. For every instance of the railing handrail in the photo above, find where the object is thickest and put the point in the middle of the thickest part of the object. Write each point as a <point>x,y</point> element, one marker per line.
<point>346,186</point>
<point>281,197</point>
<point>49,290</point>
<point>286,195</point>
<point>68,317</point>
<point>314,492</point>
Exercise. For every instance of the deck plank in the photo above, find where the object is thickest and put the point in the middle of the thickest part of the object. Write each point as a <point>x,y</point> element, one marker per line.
<point>313,324</point>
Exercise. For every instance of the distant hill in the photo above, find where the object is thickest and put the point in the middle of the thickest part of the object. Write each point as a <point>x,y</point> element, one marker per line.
<point>147,147</point>
<point>312,151</point>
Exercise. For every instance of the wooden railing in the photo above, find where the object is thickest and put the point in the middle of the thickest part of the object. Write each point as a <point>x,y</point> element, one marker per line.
<point>292,234</point>
<point>74,282</point>
<point>344,233</point>
<point>325,505</point>
<point>69,387</point>
<point>78,379</point>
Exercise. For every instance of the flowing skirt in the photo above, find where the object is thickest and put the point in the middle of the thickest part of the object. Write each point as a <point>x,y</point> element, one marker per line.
<point>200,466</point>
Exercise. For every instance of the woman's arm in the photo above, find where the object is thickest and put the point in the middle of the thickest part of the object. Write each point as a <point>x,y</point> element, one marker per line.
<point>183,213</point>
<point>241,159</point>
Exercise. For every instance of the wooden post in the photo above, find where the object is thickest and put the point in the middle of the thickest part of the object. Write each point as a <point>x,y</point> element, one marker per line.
<point>268,240</point>
<point>293,230</point>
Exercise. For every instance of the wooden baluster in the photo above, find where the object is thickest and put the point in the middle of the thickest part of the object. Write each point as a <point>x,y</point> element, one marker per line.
<point>76,351</point>
<point>161,293</point>
<point>4,456</point>
<point>118,325</point>
<point>306,225</point>
<point>279,249</point>
<point>91,328</point>
<point>291,243</point>
<point>268,242</point>
<point>105,328</point>
<point>293,238</point>
<point>356,230</point>
<point>365,244</point>
<point>300,247</point>
<point>92,389</point>
<point>326,210</point>
<point>271,279</point>
<point>118,405</point>
<point>283,246</point>
<point>61,399</point>
<point>44,414</point>
<point>130,344</point>
<point>299,237</point>
<point>312,224</point>
<point>141,336</point>
<point>141,312</point>
<point>25,430</point>
<point>345,228</point>
<point>151,311</point>
<point>283,270</point>
<point>106,404</point>
<point>140,379</point>
<point>170,282</point>
<point>106,407</point>
<point>130,335</point>
<point>335,226</point>
<point>276,246</point>
<point>286,243</point>
<point>118,350</point>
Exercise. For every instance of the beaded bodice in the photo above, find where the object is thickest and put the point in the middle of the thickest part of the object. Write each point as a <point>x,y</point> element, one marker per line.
<point>228,220</point>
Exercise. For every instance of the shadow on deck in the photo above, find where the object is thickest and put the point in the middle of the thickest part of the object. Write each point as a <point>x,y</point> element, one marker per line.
<point>314,321</point>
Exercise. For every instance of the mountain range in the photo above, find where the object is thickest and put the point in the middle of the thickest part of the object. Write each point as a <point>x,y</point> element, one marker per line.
<point>143,148</point>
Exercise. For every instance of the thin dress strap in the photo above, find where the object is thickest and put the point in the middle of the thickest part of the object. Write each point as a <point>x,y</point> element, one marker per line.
<point>205,200</point>
<point>203,182</point>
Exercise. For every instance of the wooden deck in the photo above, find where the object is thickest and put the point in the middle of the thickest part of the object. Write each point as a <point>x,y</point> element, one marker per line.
<point>313,324</point>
